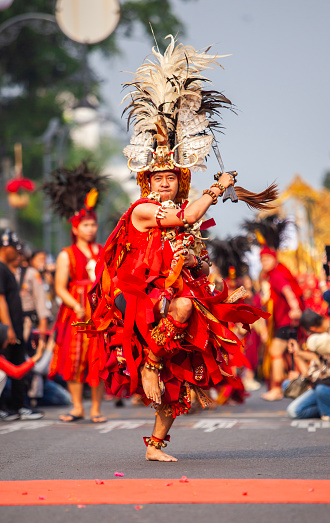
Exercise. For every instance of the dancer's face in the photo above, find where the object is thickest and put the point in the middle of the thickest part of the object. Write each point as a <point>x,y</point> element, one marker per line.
<point>166,184</point>
<point>86,230</point>
<point>268,262</point>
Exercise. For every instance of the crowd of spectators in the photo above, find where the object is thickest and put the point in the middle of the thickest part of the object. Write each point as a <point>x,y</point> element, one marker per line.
<point>29,306</point>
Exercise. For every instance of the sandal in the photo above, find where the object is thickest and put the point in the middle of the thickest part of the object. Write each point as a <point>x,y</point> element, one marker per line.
<point>73,418</point>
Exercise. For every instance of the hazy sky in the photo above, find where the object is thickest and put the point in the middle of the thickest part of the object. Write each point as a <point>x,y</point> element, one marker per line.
<point>278,76</point>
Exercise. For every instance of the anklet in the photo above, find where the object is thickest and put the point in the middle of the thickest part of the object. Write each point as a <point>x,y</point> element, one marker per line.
<point>156,442</point>
<point>153,365</point>
<point>168,329</point>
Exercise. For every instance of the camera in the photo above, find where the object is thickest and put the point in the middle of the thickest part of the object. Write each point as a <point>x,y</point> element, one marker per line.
<point>326,266</point>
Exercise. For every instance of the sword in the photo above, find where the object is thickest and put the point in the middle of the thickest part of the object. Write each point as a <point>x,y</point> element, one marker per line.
<point>230,191</point>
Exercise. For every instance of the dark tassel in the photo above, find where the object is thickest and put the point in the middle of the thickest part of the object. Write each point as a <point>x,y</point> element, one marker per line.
<point>262,201</point>
<point>67,188</point>
<point>270,229</point>
<point>230,253</point>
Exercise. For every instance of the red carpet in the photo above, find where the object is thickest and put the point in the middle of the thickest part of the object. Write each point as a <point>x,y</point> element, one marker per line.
<point>142,491</point>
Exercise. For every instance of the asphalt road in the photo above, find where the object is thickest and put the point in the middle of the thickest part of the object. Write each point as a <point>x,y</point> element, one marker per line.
<point>252,441</point>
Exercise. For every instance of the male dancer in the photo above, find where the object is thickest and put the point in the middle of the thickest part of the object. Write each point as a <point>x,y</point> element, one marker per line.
<point>162,332</point>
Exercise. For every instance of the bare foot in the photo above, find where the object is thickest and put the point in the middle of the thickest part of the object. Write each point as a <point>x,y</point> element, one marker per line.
<point>154,454</point>
<point>274,394</point>
<point>96,415</point>
<point>98,418</point>
<point>150,384</point>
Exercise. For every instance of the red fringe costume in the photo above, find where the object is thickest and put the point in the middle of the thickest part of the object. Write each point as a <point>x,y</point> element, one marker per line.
<point>75,355</point>
<point>138,265</point>
<point>173,131</point>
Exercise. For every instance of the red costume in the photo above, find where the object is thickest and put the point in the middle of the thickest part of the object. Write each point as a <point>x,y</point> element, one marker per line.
<point>138,270</point>
<point>312,294</point>
<point>279,278</point>
<point>74,195</point>
<point>74,354</point>
<point>138,265</point>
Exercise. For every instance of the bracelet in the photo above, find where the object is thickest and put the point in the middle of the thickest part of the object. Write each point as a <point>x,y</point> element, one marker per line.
<point>185,223</point>
<point>198,266</point>
<point>195,264</point>
<point>212,194</point>
<point>219,186</point>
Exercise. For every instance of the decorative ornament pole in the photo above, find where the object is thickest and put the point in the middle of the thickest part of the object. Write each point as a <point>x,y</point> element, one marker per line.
<point>19,187</point>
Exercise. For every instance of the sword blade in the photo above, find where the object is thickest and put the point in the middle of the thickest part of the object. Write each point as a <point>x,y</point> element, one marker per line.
<point>218,156</point>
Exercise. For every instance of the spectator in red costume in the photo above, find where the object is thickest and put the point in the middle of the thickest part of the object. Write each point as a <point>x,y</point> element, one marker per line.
<point>312,295</point>
<point>286,307</point>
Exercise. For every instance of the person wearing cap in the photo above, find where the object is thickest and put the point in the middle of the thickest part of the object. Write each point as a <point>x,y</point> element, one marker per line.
<point>286,307</point>
<point>11,314</point>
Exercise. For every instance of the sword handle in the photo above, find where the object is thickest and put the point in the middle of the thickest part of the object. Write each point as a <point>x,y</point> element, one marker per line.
<point>219,174</point>
<point>230,191</point>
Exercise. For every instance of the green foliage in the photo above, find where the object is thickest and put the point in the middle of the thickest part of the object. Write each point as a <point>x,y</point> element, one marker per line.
<point>36,67</point>
<point>30,224</point>
<point>326,180</point>
<point>106,149</point>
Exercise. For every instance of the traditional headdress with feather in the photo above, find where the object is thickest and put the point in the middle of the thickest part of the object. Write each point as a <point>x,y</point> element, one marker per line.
<point>268,232</point>
<point>171,111</point>
<point>74,192</point>
<point>173,120</point>
<point>230,254</point>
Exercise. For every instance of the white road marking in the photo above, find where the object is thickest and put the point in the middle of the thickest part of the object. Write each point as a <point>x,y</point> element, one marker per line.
<point>210,425</point>
<point>310,424</point>
<point>104,428</point>
<point>204,424</point>
<point>24,425</point>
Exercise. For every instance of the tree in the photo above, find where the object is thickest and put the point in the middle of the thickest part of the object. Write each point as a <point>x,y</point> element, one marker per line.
<point>326,180</point>
<point>35,68</point>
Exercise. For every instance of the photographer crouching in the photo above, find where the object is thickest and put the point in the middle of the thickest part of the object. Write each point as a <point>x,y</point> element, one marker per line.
<point>315,401</point>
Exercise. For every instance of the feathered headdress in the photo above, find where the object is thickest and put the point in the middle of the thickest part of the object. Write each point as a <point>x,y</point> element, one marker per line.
<point>74,192</point>
<point>267,231</point>
<point>171,111</point>
<point>173,117</point>
<point>229,255</point>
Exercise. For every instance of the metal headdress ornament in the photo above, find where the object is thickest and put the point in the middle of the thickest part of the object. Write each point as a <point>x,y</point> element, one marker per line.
<point>171,112</point>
